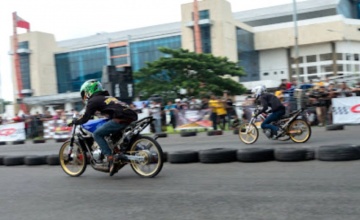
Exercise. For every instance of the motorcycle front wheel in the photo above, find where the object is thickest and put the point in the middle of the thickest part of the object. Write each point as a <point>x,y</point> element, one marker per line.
<point>73,163</point>
<point>299,131</point>
<point>248,133</point>
<point>152,156</point>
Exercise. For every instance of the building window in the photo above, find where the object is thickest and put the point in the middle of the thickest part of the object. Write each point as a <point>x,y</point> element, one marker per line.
<point>329,56</point>
<point>204,14</point>
<point>282,72</point>
<point>265,74</point>
<point>275,73</point>
<point>74,68</point>
<point>119,61</point>
<point>247,55</point>
<point>23,45</point>
<point>311,69</point>
<point>148,50</point>
<point>205,38</point>
<point>326,68</point>
<point>118,51</point>
<point>311,58</point>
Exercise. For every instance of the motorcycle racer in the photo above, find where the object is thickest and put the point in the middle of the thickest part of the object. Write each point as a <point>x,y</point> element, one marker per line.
<point>277,108</point>
<point>119,113</point>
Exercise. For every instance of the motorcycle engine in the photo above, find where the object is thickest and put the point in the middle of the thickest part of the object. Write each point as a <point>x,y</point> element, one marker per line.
<point>96,151</point>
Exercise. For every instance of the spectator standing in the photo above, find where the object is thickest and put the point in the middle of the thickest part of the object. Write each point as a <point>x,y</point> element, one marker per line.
<point>318,97</point>
<point>213,103</point>
<point>155,111</point>
<point>170,109</point>
<point>230,111</point>
<point>344,90</point>
<point>221,113</point>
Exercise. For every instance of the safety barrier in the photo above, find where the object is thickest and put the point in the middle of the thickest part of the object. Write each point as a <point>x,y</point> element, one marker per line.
<point>339,152</point>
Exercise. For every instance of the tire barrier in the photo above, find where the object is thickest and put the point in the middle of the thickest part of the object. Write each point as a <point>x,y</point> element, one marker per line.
<point>2,143</point>
<point>339,152</point>
<point>255,155</point>
<point>334,127</point>
<point>13,160</point>
<point>217,155</point>
<point>53,159</point>
<point>185,156</point>
<point>342,152</point>
<point>212,133</point>
<point>188,133</point>
<point>35,160</point>
<point>292,154</point>
<point>39,141</point>
<point>2,159</point>
<point>18,142</point>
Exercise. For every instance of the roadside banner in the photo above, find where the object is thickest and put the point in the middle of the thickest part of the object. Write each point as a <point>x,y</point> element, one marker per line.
<point>12,132</point>
<point>346,110</point>
<point>193,119</point>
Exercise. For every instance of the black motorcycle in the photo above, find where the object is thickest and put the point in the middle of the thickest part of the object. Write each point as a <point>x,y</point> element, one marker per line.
<point>143,153</point>
<point>293,125</point>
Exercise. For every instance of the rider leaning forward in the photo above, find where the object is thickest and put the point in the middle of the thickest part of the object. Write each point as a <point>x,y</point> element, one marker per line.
<point>277,108</point>
<point>119,113</point>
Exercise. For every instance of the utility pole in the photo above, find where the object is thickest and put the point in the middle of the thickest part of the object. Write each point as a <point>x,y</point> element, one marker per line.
<point>296,46</point>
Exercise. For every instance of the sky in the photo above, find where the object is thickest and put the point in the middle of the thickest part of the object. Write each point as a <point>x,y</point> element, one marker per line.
<point>68,19</point>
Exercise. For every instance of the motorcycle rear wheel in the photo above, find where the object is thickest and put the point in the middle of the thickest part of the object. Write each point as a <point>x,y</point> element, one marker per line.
<point>249,137</point>
<point>153,155</point>
<point>74,164</point>
<point>299,131</point>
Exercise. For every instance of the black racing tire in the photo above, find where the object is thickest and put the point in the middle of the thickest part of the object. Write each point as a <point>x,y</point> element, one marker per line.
<point>165,156</point>
<point>53,159</point>
<point>217,155</point>
<point>188,133</point>
<point>339,152</point>
<point>2,142</point>
<point>39,141</point>
<point>184,156</point>
<point>334,127</point>
<point>2,159</point>
<point>161,135</point>
<point>291,154</point>
<point>35,160</point>
<point>13,160</point>
<point>255,155</point>
<point>18,142</point>
<point>214,132</point>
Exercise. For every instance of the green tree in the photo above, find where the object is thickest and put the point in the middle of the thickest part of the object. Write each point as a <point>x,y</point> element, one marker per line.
<point>197,73</point>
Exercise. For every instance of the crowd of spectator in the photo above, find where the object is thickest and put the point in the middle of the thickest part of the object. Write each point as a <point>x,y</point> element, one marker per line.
<point>317,95</point>
<point>220,108</point>
<point>34,123</point>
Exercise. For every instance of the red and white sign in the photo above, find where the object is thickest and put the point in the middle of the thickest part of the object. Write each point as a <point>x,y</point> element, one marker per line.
<point>12,132</point>
<point>346,110</point>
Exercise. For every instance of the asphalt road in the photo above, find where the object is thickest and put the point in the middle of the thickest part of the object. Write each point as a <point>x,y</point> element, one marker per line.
<point>269,190</point>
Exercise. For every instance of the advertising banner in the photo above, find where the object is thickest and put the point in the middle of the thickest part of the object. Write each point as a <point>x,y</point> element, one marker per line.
<point>12,132</point>
<point>193,119</point>
<point>346,110</point>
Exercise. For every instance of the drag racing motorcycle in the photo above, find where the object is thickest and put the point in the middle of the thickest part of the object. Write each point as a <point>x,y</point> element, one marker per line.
<point>143,153</point>
<point>294,126</point>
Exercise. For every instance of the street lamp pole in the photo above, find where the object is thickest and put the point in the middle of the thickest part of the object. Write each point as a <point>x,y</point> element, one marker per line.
<point>296,36</point>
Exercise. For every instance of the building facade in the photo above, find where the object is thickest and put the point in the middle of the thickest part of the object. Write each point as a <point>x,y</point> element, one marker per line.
<point>261,41</point>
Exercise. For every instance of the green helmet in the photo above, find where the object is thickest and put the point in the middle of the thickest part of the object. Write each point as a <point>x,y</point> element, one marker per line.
<point>89,88</point>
